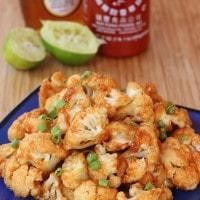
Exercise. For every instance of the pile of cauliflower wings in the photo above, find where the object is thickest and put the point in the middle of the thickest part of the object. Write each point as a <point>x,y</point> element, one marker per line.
<point>91,140</point>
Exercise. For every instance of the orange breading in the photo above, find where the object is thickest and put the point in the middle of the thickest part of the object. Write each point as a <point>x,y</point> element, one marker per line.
<point>39,150</point>
<point>26,124</point>
<point>51,86</point>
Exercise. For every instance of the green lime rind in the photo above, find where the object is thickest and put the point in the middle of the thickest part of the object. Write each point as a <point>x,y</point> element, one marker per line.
<point>70,42</point>
<point>20,57</point>
<point>67,57</point>
<point>15,60</point>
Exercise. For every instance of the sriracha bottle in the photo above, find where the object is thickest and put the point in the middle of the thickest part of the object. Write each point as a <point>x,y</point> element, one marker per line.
<point>122,24</point>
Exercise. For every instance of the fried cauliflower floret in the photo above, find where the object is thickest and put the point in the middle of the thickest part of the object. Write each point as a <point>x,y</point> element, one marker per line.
<point>85,191</point>
<point>74,170</point>
<point>143,155</point>
<point>26,124</point>
<point>52,189</point>
<point>158,176</point>
<point>108,167</point>
<point>98,82</point>
<point>106,193</point>
<point>87,128</point>
<point>140,107</point>
<point>137,192</point>
<point>74,98</point>
<point>6,151</point>
<point>179,117</point>
<point>23,180</point>
<point>151,90</point>
<point>51,86</point>
<point>88,190</point>
<point>188,137</point>
<point>121,136</point>
<point>39,150</point>
<point>179,164</point>
<point>111,99</point>
<point>104,92</point>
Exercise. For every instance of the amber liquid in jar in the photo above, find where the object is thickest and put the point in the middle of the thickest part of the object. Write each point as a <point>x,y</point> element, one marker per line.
<point>36,10</point>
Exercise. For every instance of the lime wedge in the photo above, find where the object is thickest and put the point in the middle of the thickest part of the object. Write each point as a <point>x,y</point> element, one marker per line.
<point>23,48</point>
<point>71,43</point>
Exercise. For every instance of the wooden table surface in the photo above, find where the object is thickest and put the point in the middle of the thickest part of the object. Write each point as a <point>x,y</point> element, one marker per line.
<point>172,60</point>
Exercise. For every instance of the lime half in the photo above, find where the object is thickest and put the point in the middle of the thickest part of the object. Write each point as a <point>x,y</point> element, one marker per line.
<point>23,48</point>
<point>71,43</point>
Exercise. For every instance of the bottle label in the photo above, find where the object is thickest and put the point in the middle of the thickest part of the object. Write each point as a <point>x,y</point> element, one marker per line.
<point>61,8</point>
<point>119,20</point>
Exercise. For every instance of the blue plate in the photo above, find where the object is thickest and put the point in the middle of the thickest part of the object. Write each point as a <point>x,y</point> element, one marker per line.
<point>31,102</point>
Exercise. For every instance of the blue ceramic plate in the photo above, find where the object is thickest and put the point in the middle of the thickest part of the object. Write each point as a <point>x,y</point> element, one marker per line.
<point>31,102</point>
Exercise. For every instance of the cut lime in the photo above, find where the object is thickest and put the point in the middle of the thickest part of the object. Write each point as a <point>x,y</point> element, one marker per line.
<point>71,43</point>
<point>23,48</point>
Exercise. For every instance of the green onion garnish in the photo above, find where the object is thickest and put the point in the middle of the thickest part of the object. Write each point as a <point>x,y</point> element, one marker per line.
<point>95,165</point>
<point>44,117</point>
<point>170,108</point>
<point>163,136</point>
<point>56,134</point>
<point>86,74</point>
<point>103,182</point>
<point>59,103</point>
<point>52,113</point>
<point>149,186</point>
<point>42,127</point>
<point>92,156</point>
<point>15,143</point>
<point>58,171</point>
<point>161,124</point>
<point>184,138</point>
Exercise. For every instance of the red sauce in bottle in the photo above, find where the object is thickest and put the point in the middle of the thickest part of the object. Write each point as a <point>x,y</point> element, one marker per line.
<point>122,24</point>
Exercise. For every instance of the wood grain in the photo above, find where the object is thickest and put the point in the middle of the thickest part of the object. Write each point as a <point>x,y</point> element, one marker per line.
<point>172,60</point>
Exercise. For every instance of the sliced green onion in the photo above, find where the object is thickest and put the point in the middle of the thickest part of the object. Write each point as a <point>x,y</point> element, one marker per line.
<point>86,74</point>
<point>15,143</point>
<point>149,186</point>
<point>42,127</point>
<point>92,156</point>
<point>103,182</point>
<point>131,122</point>
<point>162,130</point>
<point>56,134</point>
<point>170,108</point>
<point>184,138</point>
<point>163,137</point>
<point>95,165</point>
<point>44,117</point>
<point>59,103</point>
<point>52,113</point>
<point>58,171</point>
<point>161,124</point>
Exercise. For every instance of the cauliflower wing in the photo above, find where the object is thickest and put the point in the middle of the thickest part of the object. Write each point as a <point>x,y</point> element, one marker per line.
<point>108,169</point>
<point>143,155</point>
<point>26,124</point>
<point>27,177</point>
<point>179,117</point>
<point>137,192</point>
<point>120,136</point>
<point>74,170</point>
<point>141,106</point>
<point>188,137</point>
<point>39,150</point>
<point>6,151</point>
<point>85,191</point>
<point>52,189</point>
<point>179,164</point>
<point>87,128</point>
<point>51,86</point>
